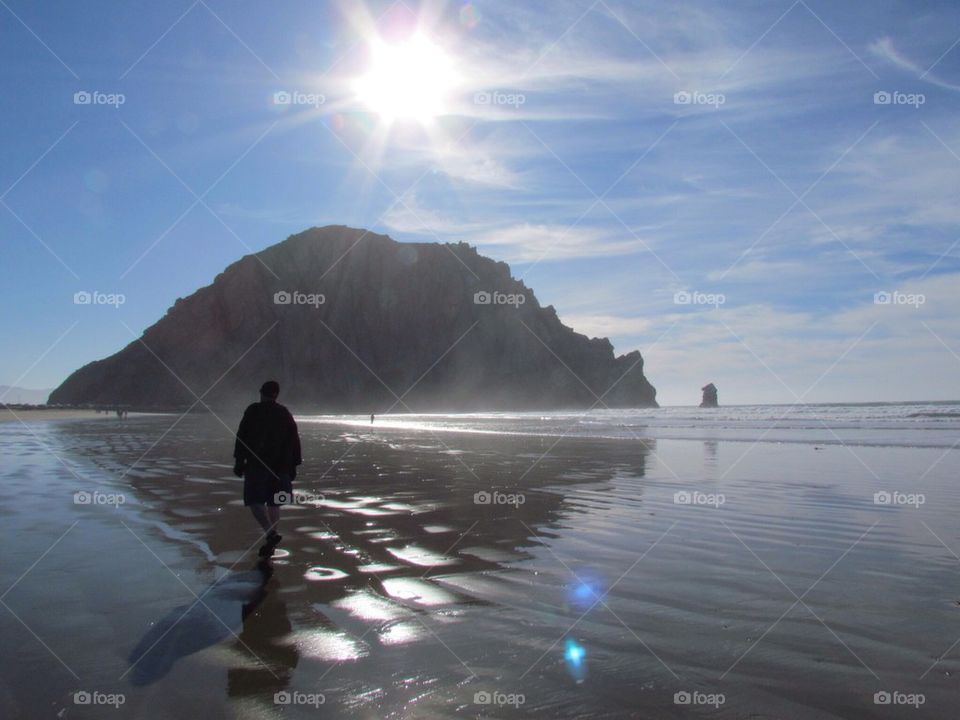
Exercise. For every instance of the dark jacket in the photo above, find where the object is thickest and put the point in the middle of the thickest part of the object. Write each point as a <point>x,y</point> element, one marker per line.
<point>268,438</point>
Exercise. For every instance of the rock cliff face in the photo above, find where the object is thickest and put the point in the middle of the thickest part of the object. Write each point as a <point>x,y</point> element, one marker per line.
<point>348,320</point>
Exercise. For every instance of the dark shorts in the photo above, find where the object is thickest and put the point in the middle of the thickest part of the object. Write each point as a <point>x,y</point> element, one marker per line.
<point>261,486</point>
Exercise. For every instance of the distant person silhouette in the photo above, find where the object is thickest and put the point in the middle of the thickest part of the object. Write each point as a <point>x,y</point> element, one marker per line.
<point>371,418</point>
<point>267,452</point>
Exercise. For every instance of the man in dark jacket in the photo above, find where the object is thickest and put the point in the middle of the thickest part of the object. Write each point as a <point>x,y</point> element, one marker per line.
<point>267,452</point>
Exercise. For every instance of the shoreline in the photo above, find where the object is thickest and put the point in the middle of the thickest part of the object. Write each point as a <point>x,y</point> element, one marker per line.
<point>13,415</point>
<point>826,436</point>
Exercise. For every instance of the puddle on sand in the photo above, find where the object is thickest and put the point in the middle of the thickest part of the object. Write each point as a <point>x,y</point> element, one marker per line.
<point>421,556</point>
<point>401,633</point>
<point>367,606</point>
<point>418,591</point>
<point>317,573</point>
<point>328,645</point>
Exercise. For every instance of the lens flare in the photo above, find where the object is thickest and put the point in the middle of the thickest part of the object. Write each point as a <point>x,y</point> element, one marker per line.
<point>587,590</point>
<point>574,656</point>
<point>574,653</point>
<point>469,16</point>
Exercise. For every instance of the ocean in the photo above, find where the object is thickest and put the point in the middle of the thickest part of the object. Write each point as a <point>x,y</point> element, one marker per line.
<point>916,424</point>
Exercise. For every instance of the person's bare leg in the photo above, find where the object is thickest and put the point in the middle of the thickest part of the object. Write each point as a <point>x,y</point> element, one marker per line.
<point>273,514</point>
<point>261,516</point>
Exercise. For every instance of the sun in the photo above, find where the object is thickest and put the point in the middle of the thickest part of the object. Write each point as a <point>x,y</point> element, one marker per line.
<point>411,80</point>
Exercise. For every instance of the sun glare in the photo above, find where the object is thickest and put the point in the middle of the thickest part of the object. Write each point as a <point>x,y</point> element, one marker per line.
<point>407,81</point>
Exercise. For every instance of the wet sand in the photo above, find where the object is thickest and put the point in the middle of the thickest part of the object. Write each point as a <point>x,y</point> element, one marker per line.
<point>32,414</point>
<point>397,595</point>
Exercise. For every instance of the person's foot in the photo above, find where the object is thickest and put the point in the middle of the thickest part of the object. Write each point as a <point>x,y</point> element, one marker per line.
<point>272,540</point>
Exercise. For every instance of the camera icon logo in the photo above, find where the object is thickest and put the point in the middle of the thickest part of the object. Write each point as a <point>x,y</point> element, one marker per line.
<point>283,498</point>
<point>882,698</point>
<point>681,298</point>
<point>481,98</point>
<point>282,97</point>
<point>882,298</point>
<point>882,97</point>
<point>482,498</point>
<point>82,98</point>
<point>482,698</point>
<point>82,298</point>
<point>682,98</point>
<point>482,298</point>
<point>882,498</point>
<point>682,498</point>
<point>682,698</point>
<point>82,697</point>
<point>82,497</point>
<point>282,297</point>
<point>282,698</point>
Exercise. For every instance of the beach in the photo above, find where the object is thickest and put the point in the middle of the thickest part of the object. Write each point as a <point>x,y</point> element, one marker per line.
<point>454,568</point>
<point>45,413</point>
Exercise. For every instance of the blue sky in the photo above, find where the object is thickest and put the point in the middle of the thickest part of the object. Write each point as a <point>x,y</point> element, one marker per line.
<point>781,198</point>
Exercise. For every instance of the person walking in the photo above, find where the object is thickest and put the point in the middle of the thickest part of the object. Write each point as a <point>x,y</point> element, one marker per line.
<point>266,454</point>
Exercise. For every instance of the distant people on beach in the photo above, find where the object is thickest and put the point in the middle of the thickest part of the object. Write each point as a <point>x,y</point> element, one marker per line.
<point>266,454</point>
<point>371,418</point>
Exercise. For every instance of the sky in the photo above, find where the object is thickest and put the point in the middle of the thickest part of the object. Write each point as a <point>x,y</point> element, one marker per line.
<point>763,195</point>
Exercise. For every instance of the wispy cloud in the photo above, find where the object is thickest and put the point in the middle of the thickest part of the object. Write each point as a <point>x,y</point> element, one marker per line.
<point>884,49</point>
<point>529,242</point>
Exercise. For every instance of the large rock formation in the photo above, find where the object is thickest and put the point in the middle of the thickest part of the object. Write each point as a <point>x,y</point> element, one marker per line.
<point>709,396</point>
<point>348,320</point>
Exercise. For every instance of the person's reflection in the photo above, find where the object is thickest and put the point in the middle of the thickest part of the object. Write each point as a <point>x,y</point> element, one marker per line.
<point>264,642</point>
